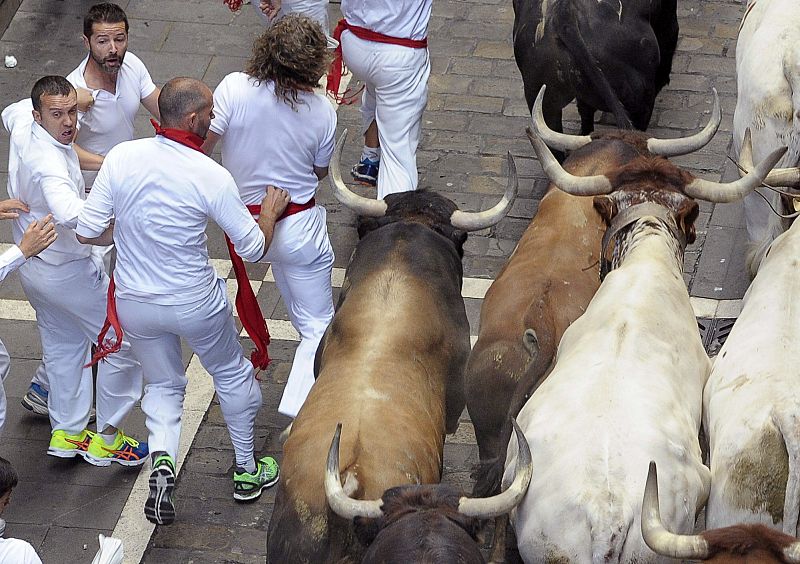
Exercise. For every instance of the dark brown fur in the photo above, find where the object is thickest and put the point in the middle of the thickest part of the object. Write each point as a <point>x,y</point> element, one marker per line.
<point>747,543</point>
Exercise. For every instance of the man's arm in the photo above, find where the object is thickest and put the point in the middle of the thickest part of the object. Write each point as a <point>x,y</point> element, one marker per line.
<point>105,239</point>
<point>210,142</point>
<point>272,206</point>
<point>321,172</point>
<point>150,103</point>
<point>9,209</point>
<point>87,160</point>
<point>95,224</point>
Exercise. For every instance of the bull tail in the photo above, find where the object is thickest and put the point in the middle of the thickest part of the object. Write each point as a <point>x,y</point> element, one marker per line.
<point>489,474</point>
<point>569,33</point>
<point>789,426</point>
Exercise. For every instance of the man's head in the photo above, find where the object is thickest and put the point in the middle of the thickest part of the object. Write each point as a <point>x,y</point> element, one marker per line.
<point>187,104</point>
<point>105,34</point>
<point>8,481</point>
<point>55,107</point>
<point>293,53</point>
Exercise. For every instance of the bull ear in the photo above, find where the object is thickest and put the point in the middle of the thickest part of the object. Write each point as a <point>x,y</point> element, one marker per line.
<point>686,216</point>
<point>606,207</point>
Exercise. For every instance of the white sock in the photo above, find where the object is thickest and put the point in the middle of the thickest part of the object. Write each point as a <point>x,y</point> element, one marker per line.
<point>371,153</point>
<point>249,466</point>
<point>109,439</point>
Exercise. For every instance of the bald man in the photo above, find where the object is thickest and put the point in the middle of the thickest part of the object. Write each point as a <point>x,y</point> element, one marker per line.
<point>166,287</point>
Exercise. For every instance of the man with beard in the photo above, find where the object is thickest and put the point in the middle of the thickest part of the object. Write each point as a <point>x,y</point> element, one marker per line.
<point>111,83</point>
<point>166,289</point>
<point>65,286</point>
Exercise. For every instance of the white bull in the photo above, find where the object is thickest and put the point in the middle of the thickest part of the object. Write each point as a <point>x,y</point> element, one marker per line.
<point>768,82</point>
<point>628,378</point>
<point>752,399</point>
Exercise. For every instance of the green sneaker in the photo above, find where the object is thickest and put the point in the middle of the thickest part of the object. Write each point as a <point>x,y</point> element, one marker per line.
<point>247,486</point>
<point>64,445</point>
<point>159,507</point>
<point>124,450</point>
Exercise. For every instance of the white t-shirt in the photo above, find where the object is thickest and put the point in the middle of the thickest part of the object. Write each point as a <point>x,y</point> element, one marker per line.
<point>10,260</point>
<point>16,551</point>
<point>407,19</point>
<point>110,119</point>
<point>265,141</point>
<point>162,210</point>
<point>46,175</point>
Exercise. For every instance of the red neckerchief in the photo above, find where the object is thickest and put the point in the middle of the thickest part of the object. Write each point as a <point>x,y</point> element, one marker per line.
<point>180,136</point>
<point>337,65</point>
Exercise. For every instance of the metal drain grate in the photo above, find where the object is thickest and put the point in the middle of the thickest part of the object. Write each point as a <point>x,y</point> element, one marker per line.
<point>714,331</point>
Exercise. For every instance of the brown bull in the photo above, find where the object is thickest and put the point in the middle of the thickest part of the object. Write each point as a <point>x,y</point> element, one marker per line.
<point>738,544</point>
<point>546,284</point>
<point>390,367</point>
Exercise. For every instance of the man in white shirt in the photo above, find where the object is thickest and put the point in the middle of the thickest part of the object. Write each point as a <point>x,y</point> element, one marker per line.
<point>384,43</point>
<point>37,237</point>
<point>65,284</point>
<point>270,10</point>
<point>167,289</point>
<point>12,551</point>
<point>275,130</point>
<point>111,83</point>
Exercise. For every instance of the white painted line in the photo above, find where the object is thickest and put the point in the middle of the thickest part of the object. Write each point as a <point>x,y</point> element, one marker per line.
<point>703,307</point>
<point>132,528</point>
<point>729,308</point>
<point>475,287</point>
<point>20,310</point>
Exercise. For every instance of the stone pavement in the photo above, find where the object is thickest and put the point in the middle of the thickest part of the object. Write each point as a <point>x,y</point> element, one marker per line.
<point>476,113</point>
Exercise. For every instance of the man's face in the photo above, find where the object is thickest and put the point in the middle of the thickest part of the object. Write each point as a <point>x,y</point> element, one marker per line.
<point>59,116</point>
<point>202,118</point>
<point>107,45</point>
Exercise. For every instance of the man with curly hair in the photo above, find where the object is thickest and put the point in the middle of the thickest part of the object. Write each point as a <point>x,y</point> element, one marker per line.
<point>384,43</point>
<point>276,130</point>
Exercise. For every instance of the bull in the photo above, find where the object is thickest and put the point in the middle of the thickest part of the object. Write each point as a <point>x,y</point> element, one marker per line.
<point>426,524</point>
<point>545,285</point>
<point>627,384</point>
<point>768,103</point>
<point>737,544</point>
<point>390,366</point>
<point>609,55</point>
<point>752,399</point>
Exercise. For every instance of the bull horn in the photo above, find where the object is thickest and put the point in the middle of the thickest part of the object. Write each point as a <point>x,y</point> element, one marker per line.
<point>554,139</point>
<point>792,553</point>
<point>658,538</point>
<point>502,503</point>
<point>686,145</point>
<point>362,206</point>
<point>720,193</point>
<point>785,177</point>
<point>569,183</point>
<point>473,221</point>
<point>341,503</point>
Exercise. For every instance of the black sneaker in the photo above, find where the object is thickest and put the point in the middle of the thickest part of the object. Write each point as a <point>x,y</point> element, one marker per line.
<point>159,507</point>
<point>366,172</point>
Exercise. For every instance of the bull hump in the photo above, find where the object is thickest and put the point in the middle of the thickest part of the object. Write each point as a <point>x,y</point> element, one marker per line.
<point>758,476</point>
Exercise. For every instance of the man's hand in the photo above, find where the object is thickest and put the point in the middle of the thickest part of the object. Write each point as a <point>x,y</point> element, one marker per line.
<point>85,99</point>
<point>274,203</point>
<point>234,5</point>
<point>270,8</point>
<point>38,236</point>
<point>9,209</point>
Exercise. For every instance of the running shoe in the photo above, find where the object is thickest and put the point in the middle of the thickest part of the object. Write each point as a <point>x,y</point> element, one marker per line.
<point>159,507</point>
<point>366,172</point>
<point>64,445</point>
<point>247,486</point>
<point>124,450</point>
<point>35,400</point>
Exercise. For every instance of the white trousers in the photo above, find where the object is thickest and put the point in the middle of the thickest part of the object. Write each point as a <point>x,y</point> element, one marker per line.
<point>70,304</point>
<point>154,332</point>
<point>395,95</point>
<point>5,367</point>
<point>302,260</point>
<point>314,9</point>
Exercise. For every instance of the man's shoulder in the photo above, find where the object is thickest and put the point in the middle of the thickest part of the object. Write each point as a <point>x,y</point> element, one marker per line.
<point>17,550</point>
<point>133,64</point>
<point>76,76</point>
<point>237,79</point>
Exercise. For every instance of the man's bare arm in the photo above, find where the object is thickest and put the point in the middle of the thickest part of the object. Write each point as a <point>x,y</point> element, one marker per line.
<point>151,104</point>
<point>87,160</point>
<point>104,240</point>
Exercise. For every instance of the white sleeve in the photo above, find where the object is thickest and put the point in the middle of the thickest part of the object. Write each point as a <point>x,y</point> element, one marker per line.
<point>10,260</point>
<point>59,194</point>
<point>98,209</point>
<point>228,211</point>
<point>222,106</point>
<point>328,141</point>
<point>18,114</point>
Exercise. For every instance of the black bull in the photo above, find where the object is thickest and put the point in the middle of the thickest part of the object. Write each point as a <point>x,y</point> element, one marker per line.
<point>611,55</point>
